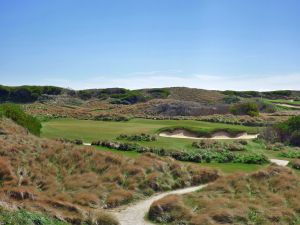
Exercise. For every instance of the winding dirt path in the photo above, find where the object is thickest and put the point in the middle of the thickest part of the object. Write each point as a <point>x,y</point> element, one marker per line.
<point>135,214</point>
<point>289,106</point>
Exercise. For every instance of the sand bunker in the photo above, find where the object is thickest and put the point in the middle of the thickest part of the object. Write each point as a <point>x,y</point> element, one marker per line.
<point>280,162</point>
<point>289,106</point>
<point>218,135</point>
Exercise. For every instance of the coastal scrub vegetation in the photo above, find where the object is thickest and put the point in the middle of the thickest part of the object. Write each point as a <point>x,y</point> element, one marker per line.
<point>267,197</point>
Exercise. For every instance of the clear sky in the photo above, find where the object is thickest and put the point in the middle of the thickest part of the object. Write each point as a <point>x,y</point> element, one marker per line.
<point>210,44</point>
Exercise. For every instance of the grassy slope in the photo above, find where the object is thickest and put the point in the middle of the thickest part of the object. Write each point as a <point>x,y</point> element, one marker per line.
<point>95,130</point>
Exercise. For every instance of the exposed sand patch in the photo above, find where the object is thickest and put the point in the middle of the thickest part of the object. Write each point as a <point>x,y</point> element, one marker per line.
<point>87,144</point>
<point>289,106</point>
<point>218,135</point>
<point>280,162</point>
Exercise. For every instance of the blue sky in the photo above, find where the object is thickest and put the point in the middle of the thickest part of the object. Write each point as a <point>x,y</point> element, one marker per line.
<point>210,44</point>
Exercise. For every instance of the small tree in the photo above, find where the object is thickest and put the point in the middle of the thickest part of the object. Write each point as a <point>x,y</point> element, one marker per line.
<point>245,108</point>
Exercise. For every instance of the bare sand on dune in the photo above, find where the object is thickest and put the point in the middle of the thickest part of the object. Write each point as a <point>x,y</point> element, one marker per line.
<point>216,136</point>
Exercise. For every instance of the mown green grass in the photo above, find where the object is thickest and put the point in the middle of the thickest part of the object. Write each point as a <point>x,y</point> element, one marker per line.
<point>89,131</point>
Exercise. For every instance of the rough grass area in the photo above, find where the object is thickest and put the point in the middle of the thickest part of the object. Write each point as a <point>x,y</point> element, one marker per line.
<point>75,183</point>
<point>89,131</point>
<point>270,196</point>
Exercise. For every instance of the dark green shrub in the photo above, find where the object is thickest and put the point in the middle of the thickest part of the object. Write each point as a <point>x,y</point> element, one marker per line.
<point>245,108</point>
<point>291,154</point>
<point>252,159</point>
<point>231,99</point>
<point>202,155</point>
<point>295,164</point>
<point>159,93</point>
<point>15,113</point>
<point>115,118</point>
<point>137,137</point>
<point>295,138</point>
<point>24,94</point>
<point>275,147</point>
<point>289,131</point>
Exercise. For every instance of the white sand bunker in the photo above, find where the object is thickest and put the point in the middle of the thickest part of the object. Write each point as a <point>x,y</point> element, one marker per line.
<point>280,162</point>
<point>222,135</point>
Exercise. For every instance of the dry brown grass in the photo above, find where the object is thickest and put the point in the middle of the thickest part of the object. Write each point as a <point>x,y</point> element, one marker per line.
<point>68,181</point>
<point>270,196</point>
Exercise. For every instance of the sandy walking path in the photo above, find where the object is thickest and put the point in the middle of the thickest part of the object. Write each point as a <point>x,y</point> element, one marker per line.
<point>289,106</point>
<point>135,214</point>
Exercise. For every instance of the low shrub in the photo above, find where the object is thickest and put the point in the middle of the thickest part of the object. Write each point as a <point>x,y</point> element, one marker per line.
<point>119,197</point>
<point>275,147</point>
<point>202,155</point>
<point>169,209</point>
<point>245,108</point>
<point>295,138</point>
<point>251,159</point>
<point>137,137</point>
<point>287,132</point>
<point>115,118</point>
<point>213,145</point>
<point>295,164</point>
<point>15,113</point>
<point>293,154</point>
<point>65,140</point>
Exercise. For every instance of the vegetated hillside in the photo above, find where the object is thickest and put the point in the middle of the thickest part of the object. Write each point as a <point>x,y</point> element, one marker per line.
<point>185,108</point>
<point>270,196</point>
<point>280,94</point>
<point>27,93</point>
<point>23,94</point>
<point>196,95</point>
<point>75,183</point>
